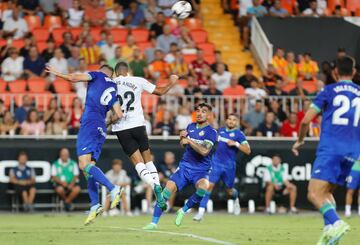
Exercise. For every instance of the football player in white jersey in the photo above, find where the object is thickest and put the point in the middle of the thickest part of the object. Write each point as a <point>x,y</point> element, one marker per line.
<point>131,131</point>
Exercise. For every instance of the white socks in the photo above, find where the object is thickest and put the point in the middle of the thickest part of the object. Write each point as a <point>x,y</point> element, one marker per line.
<point>144,174</point>
<point>201,211</point>
<point>153,171</point>
<point>358,210</point>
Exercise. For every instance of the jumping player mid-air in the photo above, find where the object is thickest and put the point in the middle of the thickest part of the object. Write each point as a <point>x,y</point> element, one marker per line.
<point>131,131</point>
<point>198,140</point>
<point>338,148</point>
<point>231,140</point>
<point>101,97</point>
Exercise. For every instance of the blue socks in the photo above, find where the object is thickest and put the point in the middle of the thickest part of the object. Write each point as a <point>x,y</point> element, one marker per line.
<point>194,199</point>
<point>157,211</point>
<point>329,213</point>
<point>99,176</point>
<point>205,200</point>
<point>93,189</point>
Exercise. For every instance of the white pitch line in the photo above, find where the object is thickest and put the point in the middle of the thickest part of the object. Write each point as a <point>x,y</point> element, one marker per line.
<point>203,238</point>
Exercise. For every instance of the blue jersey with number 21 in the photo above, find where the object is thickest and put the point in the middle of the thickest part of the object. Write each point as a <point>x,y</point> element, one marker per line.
<point>340,128</point>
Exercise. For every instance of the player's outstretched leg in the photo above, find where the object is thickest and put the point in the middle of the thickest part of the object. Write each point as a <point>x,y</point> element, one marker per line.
<point>193,200</point>
<point>200,215</point>
<point>96,209</point>
<point>158,212</point>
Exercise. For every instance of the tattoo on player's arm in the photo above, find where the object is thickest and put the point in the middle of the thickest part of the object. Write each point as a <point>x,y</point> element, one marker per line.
<point>203,149</point>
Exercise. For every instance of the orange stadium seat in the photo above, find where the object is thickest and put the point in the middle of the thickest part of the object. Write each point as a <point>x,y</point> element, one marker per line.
<point>210,58</point>
<point>76,32</point>
<point>52,21</point>
<point>95,33</point>
<point>287,88</point>
<point>57,34</point>
<point>173,22</point>
<point>37,85</point>
<point>149,101</point>
<point>61,86</point>
<point>352,5</point>
<point>183,83</point>
<point>332,3</point>
<point>140,35</point>
<point>33,21</point>
<point>357,12</point>
<point>42,100</point>
<point>193,23</point>
<point>199,35</point>
<point>2,42</point>
<point>18,86</point>
<point>208,48</point>
<point>144,46</point>
<point>3,86</point>
<point>119,34</point>
<point>18,43</point>
<point>310,86</point>
<point>41,46</point>
<point>67,99</point>
<point>93,67</point>
<point>188,58</point>
<point>41,34</point>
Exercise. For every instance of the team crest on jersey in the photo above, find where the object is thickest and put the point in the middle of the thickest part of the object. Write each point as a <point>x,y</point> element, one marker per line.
<point>202,133</point>
<point>232,135</point>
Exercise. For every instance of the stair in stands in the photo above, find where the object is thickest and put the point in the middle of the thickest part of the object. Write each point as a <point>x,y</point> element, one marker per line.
<point>226,37</point>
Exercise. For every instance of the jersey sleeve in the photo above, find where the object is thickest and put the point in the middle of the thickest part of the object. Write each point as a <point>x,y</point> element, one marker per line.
<point>211,136</point>
<point>242,138</point>
<point>53,170</point>
<point>320,101</point>
<point>147,86</point>
<point>114,98</point>
<point>93,75</point>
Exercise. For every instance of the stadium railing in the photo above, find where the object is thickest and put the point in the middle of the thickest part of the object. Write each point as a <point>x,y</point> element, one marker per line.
<point>260,45</point>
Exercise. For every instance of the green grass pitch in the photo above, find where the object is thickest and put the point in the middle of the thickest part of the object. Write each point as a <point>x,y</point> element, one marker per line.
<point>245,229</point>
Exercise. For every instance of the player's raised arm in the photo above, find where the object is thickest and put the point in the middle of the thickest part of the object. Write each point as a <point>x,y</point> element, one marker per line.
<point>116,114</point>
<point>244,146</point>
<point>164,89</point>
<point>203,148</point>
<point>72,77</point>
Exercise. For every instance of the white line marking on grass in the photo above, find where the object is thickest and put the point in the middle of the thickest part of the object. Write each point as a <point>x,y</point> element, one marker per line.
<point>203,238</point>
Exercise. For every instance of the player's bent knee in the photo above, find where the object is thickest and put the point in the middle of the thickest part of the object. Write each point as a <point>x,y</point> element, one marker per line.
<point>59,189</point>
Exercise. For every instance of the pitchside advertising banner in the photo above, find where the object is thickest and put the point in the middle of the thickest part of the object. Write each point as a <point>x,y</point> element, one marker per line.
<point>250,169</point>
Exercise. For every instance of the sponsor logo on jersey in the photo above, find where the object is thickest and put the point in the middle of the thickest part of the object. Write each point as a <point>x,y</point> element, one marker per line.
<point>202,133</point>
<point>232,135</point>
<point>101,131</point>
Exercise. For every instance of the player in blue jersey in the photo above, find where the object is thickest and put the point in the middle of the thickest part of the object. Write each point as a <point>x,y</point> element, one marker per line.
<point>198,140</point>
<point>231,140</point>
<point>338,148</point>
<point>101,97</point>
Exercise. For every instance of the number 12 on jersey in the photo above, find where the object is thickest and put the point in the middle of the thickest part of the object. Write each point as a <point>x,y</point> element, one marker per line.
<point>127,99</point>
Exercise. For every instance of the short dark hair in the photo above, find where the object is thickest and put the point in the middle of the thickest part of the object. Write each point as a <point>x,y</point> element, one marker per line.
<point>204,105</point>
<point>276,155</point>
<point>116,161</point>
<point>249,67</point>
<point>107,67</point>
<point>121,64</point>
<point>22,153</point>
<point>345,66</point>
<point>234,115</point>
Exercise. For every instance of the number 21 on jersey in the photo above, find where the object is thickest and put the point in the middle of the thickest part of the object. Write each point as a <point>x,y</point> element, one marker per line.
<point>345,105</point>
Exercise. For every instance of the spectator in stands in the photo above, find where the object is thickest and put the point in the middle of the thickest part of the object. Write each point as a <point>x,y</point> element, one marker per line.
<point>291,6</point>
<point>156,28</point>
<point>279,62</point>
<point>166,126</point>
<point>185,42</point>
<point>290,127</point>
<point>197,67</point>
<point>49,7</point>
<point>192,86</point>
<point>118,57</point>
<point>213,89</point>
<point>73,62</point>
<point>2,110</point>
<point>29,41</point>
<point>32,125</point>
<point>52,108</point>
<point>278,11</point>
<point>218,60</point>
<point>49,52</point>
<point>245,79</point>
<point>268,128</point>
<point>15,26</point>
<point>22,177</point>
<point>313,10</point>
<point>183,118</point>
<point>103,37</point>
<point>253,118</point>
<point>179,66</point>
<point>234,89</point>
<point>166,169</point>
<point>34,65</point>
<point>151,12</point>
<point>22,111</point>
<point>308,68</point>
<point>134,16</point>
<point>268,4</point>
<point>90,51</point>
<point>290,69</point>
<point>170,56</point>
<point>75,14</point>
<point>221,77</point>
<point>165,6</point>
<point>56,124</point>
<point>270,77</point>
<point>12,67</point>
<point>4,50</point>
<point>94,13</point>
<point>277,90</point>
<point>159,68</point>
<point>277,110</point>
<point>59,62</point>
<point>299,89</point>
<point>164,40</point>
<point>29,7</point>
<point>149,53</point>
<point>319,87</point>
<point>255,92</point>
<point>115,16</point>
<point>118,176</point>
<point>277,181</point>
<point>108,49</point>
<point>7,13</point>
<point>65,176</point>
<point>8,126</point>
<point>67,44</point>
<point>75,116</point>
<point>138,65</point>
<point>128,49</point>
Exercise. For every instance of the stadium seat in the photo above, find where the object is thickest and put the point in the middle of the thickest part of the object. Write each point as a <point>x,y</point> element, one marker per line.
<point>67,99</point>
<point>183,83</point>
<point>149,102</point>
<point>95,33</point>
<point>37,85</point>
<point>2,42</point>
<point>357,12</point>
<point>18,43</point>
<point>140,35</point>
<point>76,32</point>
<point>287,88</point>
<point>210,58</point>
<point>57,34</point>
<point>208,48</point>
<point>42,100</point>
<point>61,86</point>
<point>199,35</point>
<point>352,5</point>
<point>234,5</point>
<point>188,58</point>
<point>173,22</point>
<point>193,23</point>
<point>52,21</point>
<point>18,86</point>
<point>6,97</point>
<point>3,86</point>
<point>310,86</point>
<point>332,4</point>
<point>41,46</point>
<point>93,67</point>
<point>119,34</point>
<point>41,34</point>
<point>144,46</point>
<point>32,21</point>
